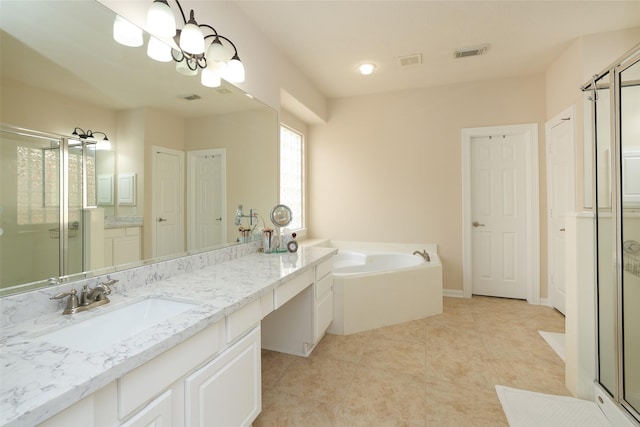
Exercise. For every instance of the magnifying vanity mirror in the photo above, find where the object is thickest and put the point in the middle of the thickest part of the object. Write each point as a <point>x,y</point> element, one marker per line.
<point>183,156</point>
<point>281,216</point>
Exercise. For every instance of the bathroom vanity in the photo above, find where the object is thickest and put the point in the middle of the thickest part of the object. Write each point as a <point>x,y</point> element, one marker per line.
<point>200,367</point>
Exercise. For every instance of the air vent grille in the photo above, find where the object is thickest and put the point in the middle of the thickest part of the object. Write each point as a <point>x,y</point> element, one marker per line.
<point>471,51</point>
<point>410,60</point>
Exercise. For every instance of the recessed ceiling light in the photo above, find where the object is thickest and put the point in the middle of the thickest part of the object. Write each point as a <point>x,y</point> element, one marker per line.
<point>366,68</point>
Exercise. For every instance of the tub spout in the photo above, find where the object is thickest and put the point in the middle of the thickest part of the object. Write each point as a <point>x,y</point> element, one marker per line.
<point>423,254</point>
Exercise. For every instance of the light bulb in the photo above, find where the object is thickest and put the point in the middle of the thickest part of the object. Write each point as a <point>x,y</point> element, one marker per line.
<point>159,50</point>
<point>125,33</point>
<point>160,19</point>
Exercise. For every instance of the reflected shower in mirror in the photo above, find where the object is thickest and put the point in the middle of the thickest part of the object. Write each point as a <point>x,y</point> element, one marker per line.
<point>161,124</point>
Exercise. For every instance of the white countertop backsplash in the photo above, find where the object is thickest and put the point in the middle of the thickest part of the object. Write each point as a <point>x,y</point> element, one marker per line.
<point>39,379</point>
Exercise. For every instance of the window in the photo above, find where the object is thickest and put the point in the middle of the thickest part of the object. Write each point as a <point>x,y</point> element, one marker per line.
<point>292,174</point>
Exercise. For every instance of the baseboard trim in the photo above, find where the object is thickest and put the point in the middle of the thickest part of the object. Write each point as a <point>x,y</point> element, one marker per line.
<point>453,293</point>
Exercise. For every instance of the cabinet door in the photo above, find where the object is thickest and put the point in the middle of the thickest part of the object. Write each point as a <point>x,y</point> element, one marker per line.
<point>227,391</point>
<point>323,316</point>
<point>155,414</point>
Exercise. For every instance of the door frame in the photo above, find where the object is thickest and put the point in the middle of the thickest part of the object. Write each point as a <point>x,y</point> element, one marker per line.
<point>155,149</point>
<point>191,192</point>
<point>532,273</point>
<point>566,115</point>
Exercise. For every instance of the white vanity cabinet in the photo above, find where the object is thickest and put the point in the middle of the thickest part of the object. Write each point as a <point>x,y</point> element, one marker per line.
<point>227,390</point>
<point>303,312</point>
<point>122,245</point>
<point>323,306</point>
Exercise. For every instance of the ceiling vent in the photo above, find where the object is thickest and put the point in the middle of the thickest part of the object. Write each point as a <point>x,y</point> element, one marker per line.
<point>471,51</point>
<point>191,97</point>
<point>410,60</point>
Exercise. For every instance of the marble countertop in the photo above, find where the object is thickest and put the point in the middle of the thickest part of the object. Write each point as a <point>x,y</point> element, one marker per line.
<point>39,379</point>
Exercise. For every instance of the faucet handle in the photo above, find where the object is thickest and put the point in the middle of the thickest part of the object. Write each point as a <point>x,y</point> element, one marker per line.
<point>72,303</point>
<point>107,285</point>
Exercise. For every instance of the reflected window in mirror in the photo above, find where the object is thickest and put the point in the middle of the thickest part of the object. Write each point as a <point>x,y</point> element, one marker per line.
<point>292,174</point>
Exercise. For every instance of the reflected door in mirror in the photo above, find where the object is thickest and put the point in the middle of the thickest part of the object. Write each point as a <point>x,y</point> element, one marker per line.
<point>168,201</point>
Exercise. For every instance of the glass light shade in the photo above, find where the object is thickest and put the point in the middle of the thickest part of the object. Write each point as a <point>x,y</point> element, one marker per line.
<point>103,145</point>
<point>210,78</point>
<point>160,19</point>
<point>192,39</point>
<point>159,50</point>
<point>125,33</point>
<point>235,71</point>
<point>217,57</point>
<point>183,68</point>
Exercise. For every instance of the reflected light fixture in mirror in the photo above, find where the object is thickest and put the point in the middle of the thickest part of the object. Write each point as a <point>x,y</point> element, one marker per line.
<point>127,34</point>
<point>188,46</point>
<point>103,144</point>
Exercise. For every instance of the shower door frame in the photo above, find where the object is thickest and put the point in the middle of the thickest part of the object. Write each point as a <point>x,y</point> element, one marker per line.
<point>630,58</point>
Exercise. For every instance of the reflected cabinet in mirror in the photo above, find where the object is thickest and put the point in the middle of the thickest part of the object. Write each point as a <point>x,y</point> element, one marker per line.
<point>182,157</point>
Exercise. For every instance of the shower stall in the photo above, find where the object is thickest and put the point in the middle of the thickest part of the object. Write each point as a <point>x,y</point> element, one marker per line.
<point>612,99</point>
<point>47,182</point>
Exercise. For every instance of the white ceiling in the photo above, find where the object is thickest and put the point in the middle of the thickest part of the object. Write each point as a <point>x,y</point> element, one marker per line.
<point>327,40</point>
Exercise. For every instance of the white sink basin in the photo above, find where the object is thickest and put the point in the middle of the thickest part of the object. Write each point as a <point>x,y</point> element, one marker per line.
<point>101,331</point>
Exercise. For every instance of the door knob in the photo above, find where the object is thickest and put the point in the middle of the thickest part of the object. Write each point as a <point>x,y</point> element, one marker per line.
<point>161,219</point>
<point>477,224</point>
<point>219,219</point>
<point>562,229</point>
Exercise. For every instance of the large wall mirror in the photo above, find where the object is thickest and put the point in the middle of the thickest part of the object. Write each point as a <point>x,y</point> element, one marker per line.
<point>183,156</point>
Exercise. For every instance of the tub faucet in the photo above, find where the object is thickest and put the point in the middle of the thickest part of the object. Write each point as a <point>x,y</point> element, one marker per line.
<point>423,254</point>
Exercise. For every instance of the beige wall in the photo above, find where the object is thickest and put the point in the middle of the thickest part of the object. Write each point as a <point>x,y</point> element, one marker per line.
<point>250,139</point>
<point>583,58</point>
<point>387,167</point>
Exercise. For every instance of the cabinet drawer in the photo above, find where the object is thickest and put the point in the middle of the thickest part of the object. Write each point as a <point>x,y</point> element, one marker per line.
<point>323,286</point>
<point>323,268</point>
<point>132,231</point>
<point>242,320</point>
<point>140,385</point>
<point>292,288</point>
<point>112,233</point>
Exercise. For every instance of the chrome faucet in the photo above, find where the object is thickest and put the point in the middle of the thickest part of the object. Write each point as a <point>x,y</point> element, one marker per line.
<point>89,298</point>
<point>423,254</point>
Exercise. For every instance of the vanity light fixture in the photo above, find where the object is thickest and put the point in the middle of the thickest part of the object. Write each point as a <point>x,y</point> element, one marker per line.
<point>103,144</point>
<point>192,50</point>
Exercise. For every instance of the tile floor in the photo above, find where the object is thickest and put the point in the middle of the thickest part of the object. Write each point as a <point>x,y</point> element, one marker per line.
<point>437,371</point>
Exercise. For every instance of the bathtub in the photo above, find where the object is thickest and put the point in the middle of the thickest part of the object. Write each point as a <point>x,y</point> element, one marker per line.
<point>381,284</point>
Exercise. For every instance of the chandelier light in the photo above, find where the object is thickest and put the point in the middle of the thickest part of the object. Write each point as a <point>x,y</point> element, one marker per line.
<point>89,135</point>
<point>213,54</point>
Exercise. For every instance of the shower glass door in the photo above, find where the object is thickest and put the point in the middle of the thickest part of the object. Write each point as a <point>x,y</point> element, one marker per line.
<point>629,95</point>
<point>29,208</point>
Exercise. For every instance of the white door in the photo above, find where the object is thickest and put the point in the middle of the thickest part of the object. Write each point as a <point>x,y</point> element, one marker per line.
<point>206,199</point>
<point>560,199</point>
<point>498,216</point>
<point>168,201</point>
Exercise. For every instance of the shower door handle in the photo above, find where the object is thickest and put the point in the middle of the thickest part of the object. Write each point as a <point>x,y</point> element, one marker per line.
<point>477,224</point>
